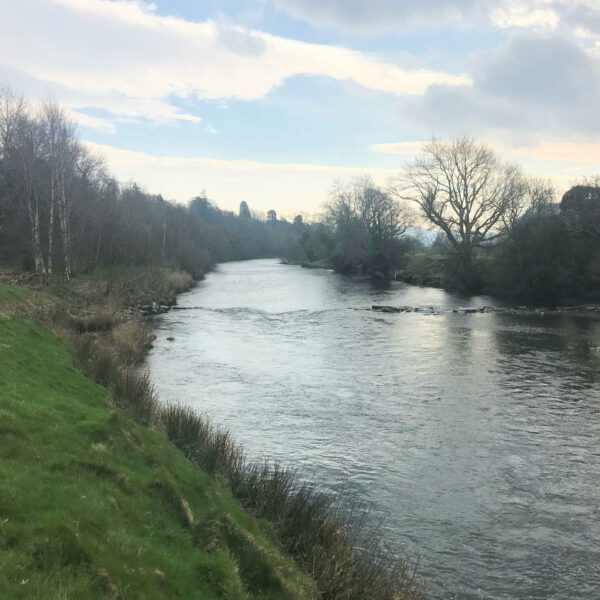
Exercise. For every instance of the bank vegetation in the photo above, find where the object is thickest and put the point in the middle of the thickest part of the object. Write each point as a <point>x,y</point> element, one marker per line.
<point>87,257</point>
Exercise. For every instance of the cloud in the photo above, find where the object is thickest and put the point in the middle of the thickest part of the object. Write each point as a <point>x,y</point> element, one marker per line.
<point>379,16</point>
<point>241,41</point>
<point>519,13</point>
<point>401,148</point>
<point>287,187</point>
<point>565,152</point>
<point>128,59</point>
<point>529,87</point>
<point>385,16</point>
<point>293,187</point>
<point>582,16</point>
<point>120,106</point>
<point>105,125</point>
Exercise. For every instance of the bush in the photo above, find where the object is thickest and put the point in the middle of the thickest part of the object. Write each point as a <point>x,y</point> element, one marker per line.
<point>424,269</point>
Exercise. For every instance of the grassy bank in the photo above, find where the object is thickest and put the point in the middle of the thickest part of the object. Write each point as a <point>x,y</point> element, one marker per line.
<point>423,269</point>
<point>94,505</point>
<point>177,481</point>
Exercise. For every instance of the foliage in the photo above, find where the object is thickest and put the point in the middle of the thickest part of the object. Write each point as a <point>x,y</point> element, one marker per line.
<point>367,224</point>
<point>581,207</point>
<point>424,269</point>
<point>545,259</point>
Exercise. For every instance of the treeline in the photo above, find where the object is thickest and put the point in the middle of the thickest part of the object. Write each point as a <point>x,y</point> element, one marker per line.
<point>502,232</point>
<point>62,213</point>
<point>498,231</point>
<point>553,254</point>
<point>362,232</point>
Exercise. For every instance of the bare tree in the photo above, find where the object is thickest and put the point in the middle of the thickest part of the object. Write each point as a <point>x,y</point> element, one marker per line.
<point>29,149</point>
<point>62,153</point>
<point>362,200</point>
<point>21,148</point>
<point>464,189</point>
<point>367,222</point>
<point>12,110</point>
<point>537,195</point>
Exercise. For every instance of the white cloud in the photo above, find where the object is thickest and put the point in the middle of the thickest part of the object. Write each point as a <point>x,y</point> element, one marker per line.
<point>125,57</point>
<point>567,152</point>
<point>517,13</point>
<point>287,187</point>
<point>105,125</point>
<point>401,148</point>
<point>294,187</point>
<point>382,16</point>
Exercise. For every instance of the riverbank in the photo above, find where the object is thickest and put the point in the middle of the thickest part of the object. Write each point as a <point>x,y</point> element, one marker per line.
<point>100,317</point>
<point>431,270</point>
<point>96,506</point>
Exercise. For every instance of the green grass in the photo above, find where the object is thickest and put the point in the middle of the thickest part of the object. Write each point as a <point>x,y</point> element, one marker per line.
<point>93,505</point>
<point>12,293</point>
<point>424,269</point>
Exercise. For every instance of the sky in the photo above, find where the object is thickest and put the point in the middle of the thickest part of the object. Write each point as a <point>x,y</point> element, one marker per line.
<point>271,101</point>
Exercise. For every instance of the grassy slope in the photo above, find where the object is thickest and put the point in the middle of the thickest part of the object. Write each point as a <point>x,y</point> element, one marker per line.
<point>93,505</point>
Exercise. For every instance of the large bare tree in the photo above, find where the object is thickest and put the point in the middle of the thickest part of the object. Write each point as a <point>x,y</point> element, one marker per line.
<point>465,190</point>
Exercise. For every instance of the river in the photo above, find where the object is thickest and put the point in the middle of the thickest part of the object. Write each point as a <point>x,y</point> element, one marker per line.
<point>476,435</point>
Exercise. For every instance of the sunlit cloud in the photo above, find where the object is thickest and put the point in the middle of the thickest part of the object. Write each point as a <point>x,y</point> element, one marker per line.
<point>287,187</point>
<point>104,125</point>
<point>525,14</point>
<point>401,148</point>
<point>565,152</point>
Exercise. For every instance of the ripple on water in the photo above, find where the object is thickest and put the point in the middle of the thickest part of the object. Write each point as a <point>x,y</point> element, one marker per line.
<point>476,436</point>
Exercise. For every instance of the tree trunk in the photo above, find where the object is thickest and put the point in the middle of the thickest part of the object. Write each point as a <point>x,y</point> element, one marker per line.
<point>64,216</point>
<point>51,221</point>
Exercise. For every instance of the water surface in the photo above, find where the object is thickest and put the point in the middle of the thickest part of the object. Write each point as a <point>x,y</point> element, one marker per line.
<point>476,435</point>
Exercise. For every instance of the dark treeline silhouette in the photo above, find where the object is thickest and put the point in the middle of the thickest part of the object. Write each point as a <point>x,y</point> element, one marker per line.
<point>61,212</point>
<point>553,253</point>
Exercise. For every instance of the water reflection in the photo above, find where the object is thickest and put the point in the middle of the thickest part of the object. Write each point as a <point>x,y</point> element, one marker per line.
<point>476,434</point>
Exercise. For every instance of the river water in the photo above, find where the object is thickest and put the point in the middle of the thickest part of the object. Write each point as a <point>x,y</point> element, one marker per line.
<point>476,435</point>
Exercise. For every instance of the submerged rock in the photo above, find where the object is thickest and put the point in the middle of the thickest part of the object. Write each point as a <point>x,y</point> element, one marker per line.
<point>388,309</point>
